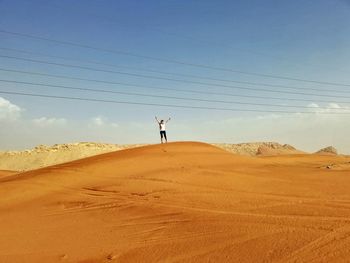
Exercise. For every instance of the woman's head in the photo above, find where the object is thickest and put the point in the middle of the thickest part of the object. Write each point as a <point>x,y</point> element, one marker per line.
<point>162,121</point>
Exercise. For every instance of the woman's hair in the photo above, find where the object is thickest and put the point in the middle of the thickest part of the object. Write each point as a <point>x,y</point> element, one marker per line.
<point>161,120</point>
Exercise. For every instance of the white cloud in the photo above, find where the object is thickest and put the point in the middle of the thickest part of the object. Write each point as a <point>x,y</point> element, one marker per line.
<point>45,121</point>
<point>330,108</point>
<point>313,105</point>
<point>98,121</point>
<point>9,111</point>
<point>101,121</point>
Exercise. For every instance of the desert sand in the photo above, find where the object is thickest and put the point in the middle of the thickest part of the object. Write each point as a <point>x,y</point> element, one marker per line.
<point>180,202</point>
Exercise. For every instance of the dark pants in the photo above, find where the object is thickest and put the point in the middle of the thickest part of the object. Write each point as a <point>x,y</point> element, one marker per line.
<point>163,135</point>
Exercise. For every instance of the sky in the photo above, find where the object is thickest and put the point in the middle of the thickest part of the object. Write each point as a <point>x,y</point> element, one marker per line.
<point>134,42</point>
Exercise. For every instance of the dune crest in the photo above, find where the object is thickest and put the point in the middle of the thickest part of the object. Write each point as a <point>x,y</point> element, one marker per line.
<point>43,155</point>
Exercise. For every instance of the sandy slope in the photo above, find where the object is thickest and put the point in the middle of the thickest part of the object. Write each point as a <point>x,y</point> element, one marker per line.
<point>181,202</point>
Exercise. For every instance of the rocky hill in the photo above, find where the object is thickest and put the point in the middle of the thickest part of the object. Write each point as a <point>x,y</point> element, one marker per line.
<point>330,150</point>
<point>43,155</point>
<point>259,148</point>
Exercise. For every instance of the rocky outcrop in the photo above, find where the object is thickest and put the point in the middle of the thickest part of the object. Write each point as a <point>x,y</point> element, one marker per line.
<point>330,150</point>
<point>43,155</point>
<point>259,148</point>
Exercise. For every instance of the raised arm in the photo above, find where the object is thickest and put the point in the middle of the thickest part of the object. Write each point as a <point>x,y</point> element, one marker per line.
<point>168,119</point>
<point>157,120</point>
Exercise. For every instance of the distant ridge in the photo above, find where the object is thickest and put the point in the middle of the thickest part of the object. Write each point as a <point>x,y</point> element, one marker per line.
<point>330,150</point>
<point>43,155</point>
<point>260,148</point>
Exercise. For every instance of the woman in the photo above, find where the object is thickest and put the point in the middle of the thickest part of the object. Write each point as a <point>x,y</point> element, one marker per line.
<point>162,129</point>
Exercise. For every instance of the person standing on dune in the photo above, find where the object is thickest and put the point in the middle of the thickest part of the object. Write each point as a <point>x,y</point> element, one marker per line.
<point>162,129</point>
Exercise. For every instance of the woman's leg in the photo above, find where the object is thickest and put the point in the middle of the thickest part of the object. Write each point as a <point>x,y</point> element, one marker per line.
<point>161,137</point>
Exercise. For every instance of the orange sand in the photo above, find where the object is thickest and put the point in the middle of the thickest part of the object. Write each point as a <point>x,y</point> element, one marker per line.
<point>180,202</point>
<point>6,173</point>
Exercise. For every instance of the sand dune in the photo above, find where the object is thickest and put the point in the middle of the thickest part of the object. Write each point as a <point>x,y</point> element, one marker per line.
<point>43,156</point>
<point>181,202</point>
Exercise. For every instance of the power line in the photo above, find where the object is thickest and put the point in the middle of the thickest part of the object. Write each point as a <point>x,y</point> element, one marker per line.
<point>171,73</point>
<point>126,53</point>
<point>157,96</point>
<point>191,38</point>
<point>166,89</point>
<point>161,105</point>
<point>169,79</point>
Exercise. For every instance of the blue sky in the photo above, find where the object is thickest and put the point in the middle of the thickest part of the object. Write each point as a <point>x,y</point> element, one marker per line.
<point>300,39</point>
